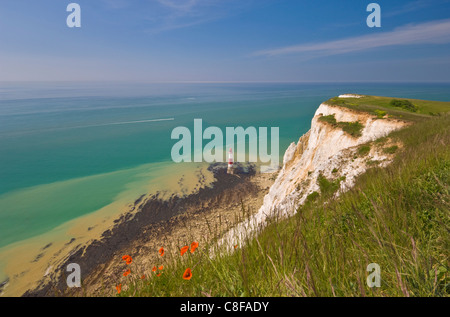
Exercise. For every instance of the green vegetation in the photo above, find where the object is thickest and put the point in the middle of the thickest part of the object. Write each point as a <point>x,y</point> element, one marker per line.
<point>372,104</point>
<point>381,141</point>
<point>380,113</point>
<point>391,149</point>
<point>372,162</point>
<point>338,101</point>
<point>312,197</point>
<point>329,119</point>
<point>352,128</point>
<point>397,217</point>
<point>404,104</point>
<point>328,187</point>
<point>364,150</point>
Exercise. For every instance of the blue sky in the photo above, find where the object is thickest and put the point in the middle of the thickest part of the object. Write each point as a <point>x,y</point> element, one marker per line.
<point>225,40</point>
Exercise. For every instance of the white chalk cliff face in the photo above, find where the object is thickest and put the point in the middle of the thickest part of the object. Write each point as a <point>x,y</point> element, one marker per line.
<point>326,150</point>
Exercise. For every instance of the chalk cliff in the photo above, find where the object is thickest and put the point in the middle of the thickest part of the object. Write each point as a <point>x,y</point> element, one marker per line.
<point>324,150</point>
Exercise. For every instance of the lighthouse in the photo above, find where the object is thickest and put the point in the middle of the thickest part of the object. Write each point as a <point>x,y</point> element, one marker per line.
<point>230,162</point>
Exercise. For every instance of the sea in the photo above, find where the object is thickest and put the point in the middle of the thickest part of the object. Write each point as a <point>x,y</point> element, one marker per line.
<point>70,149</point>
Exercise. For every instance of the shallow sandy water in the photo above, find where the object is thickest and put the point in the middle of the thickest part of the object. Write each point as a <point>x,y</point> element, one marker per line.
<point>25,263</point>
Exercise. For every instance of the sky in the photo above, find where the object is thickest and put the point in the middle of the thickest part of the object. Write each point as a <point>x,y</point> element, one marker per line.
<point>225,41</point>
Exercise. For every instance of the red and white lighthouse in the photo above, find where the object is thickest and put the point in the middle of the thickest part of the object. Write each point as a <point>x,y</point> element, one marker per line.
<point>230,162</point>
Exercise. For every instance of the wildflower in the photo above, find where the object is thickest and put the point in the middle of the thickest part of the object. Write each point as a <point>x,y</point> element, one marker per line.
<point>194,245</point>
<point>127,259</point>
<point>143,277</point>
<point>187,274</point>
<point>126,272</point>
<point>161,267</point>
<point>154,269</point>
<point>161,251</point>
<point>236,246</point>
<point>183,250</point>
<point>158,275</point>
<point>119,288</point>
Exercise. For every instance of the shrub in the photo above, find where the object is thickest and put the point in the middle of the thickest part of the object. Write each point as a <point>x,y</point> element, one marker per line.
<point>352,128</point>
<point>404,104</point>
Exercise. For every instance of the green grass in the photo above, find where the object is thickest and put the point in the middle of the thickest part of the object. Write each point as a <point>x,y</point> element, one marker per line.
<point>391,149</point>
<point>363,150</point>
<point>375,104</point>
<point>312,197</point>
<point>329,119</point>
<point>380,113</point>
<point>397,217</point>
<point>352,128</point>
<point>328,187</point>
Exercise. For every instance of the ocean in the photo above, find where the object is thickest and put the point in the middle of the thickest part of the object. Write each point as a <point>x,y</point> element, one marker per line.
<point>71,149</point>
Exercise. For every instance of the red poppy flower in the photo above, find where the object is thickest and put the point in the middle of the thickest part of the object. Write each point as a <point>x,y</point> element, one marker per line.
<point>127,259</point>
<point>161,268</point>
<point>119,288</point>
<point>154,269</point>
<point>187,274</point>
<point>142,277</point>
<point>158,275</point>
<point>126,272</point>
<point>194,245</point>
<point>161,251</point>
<point>183,250</point>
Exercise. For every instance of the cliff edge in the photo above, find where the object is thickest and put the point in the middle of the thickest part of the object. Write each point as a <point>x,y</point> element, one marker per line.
<point>336,149</point>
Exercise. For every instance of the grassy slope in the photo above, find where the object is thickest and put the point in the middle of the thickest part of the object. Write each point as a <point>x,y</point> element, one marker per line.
<point>397,217</point>
<point>372,103</point>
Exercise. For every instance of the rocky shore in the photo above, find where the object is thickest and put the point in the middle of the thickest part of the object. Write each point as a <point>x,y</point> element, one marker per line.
<point>173,222</point>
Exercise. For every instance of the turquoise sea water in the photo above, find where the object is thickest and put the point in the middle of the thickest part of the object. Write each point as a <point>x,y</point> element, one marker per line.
<point>68,149</point>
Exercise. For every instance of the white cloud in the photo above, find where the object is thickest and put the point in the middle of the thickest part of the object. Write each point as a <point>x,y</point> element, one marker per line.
<point>436,32</point>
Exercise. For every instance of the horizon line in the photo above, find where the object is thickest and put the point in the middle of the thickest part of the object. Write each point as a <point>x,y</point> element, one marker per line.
<point>224,81</point>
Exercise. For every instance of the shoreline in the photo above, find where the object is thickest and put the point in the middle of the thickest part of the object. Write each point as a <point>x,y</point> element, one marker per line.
<point>28,263</point>
<point>156,220</point>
